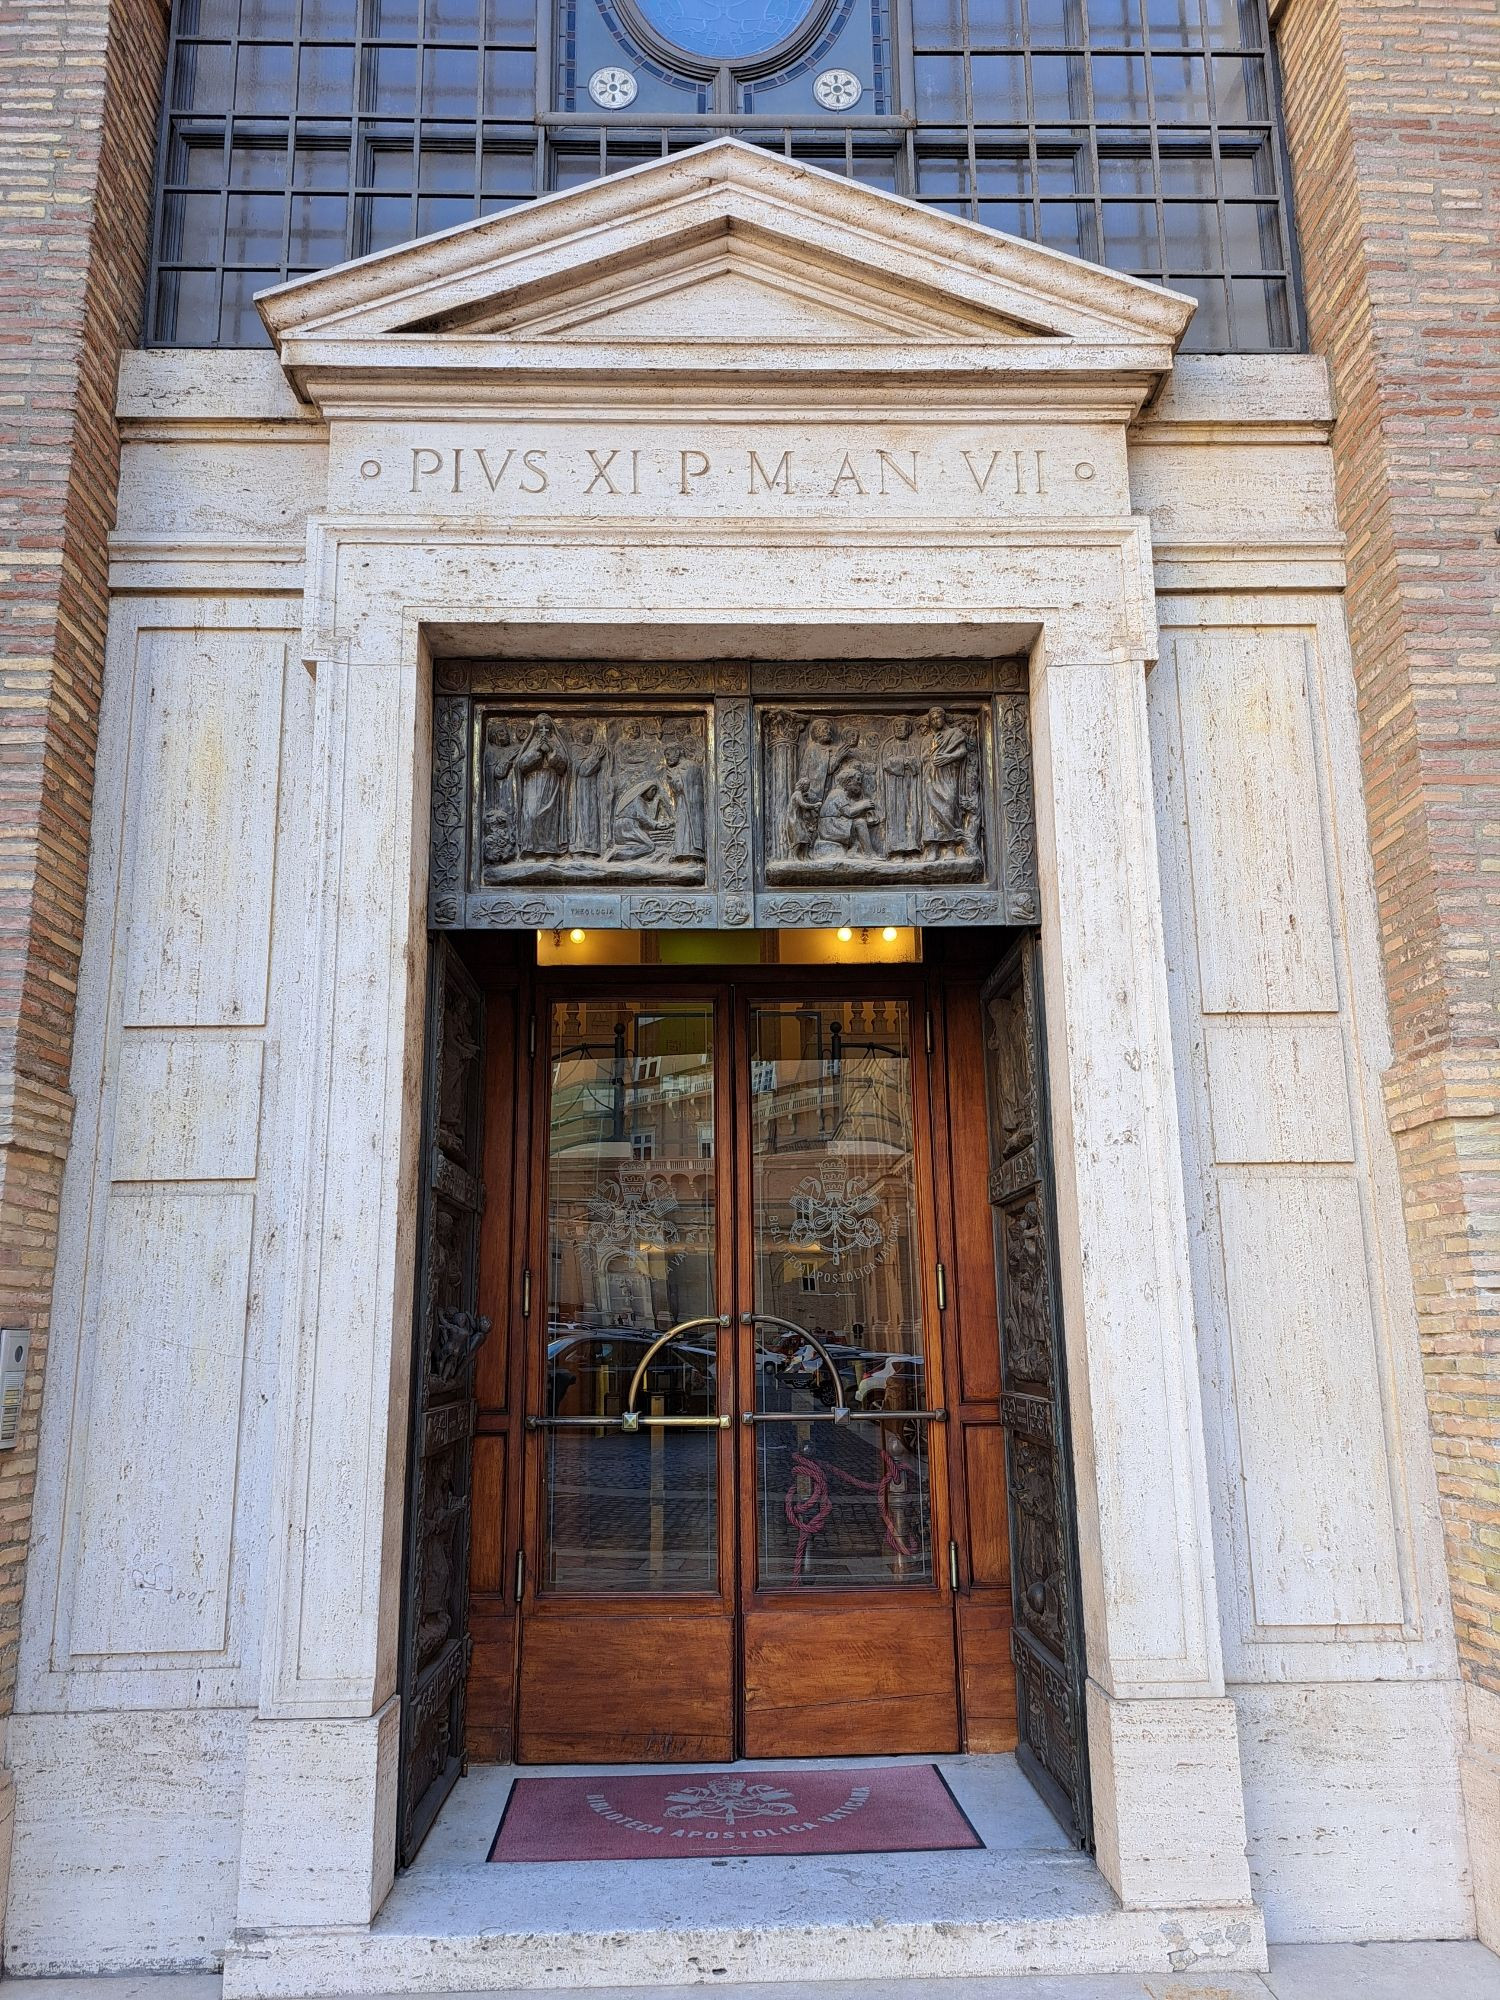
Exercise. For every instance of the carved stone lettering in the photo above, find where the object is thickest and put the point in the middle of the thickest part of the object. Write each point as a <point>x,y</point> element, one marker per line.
<point>567,797</point>
<point>895,795</point>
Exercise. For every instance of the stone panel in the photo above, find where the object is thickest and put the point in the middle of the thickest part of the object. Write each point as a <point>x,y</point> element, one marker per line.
<point>202,807</point>
<point>187,1107</point>
<point>155,1480</point>
<point>1307,1393</point>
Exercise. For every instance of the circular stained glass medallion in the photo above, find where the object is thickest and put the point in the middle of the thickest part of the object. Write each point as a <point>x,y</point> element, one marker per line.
<point>727,30</point>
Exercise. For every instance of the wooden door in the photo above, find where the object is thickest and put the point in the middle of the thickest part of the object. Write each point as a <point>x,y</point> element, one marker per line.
<point>740,1533</point>
<point>847,1615</point>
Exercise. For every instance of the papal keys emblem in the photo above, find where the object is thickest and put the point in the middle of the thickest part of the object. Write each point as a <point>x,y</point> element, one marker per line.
<point>730,1799</point>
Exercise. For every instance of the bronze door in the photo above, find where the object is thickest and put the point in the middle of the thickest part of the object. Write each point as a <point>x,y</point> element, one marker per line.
<point>737,1535</point>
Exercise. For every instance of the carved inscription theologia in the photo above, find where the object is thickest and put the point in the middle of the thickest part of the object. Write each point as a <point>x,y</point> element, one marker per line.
<point>573,798</point>
<point>886,796</point>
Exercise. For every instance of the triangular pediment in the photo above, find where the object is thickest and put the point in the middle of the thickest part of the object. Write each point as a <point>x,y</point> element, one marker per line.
<point>725,255</point>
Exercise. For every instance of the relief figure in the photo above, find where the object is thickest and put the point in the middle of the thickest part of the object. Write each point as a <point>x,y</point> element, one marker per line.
<point>847,815</point>
<point>945,810</point>
<point>584,816</point>
<point>543,767</point>
<point>901,790</point>
<point>684,775</point>
<point>822,754</point>
<point>498,792</point>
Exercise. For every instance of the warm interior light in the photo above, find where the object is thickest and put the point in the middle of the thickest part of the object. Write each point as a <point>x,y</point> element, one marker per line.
<point>577,937</point>
<point>889,933</point>
<point>844,934</point>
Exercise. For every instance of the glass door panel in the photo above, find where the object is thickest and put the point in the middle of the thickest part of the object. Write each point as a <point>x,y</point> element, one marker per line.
<point>631,1240</point>
<point>842,1476</point>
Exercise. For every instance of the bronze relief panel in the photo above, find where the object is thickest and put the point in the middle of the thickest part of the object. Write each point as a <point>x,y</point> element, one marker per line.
<point>566,796</point>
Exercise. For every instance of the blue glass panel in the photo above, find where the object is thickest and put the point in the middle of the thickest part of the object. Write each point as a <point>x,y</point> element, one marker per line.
<point>724,28</point>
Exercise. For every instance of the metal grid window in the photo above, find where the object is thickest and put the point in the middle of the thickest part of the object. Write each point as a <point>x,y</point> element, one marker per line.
<point>1141,134</point>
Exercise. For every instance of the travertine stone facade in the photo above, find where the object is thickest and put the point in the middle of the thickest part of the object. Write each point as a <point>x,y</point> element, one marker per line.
<point>1393,118</point>
<point>79,86</point>
<point>1274,1710</point>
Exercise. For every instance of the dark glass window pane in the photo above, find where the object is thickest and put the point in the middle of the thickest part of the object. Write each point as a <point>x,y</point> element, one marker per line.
<point>325,80</point>
<point>1013,217</point>
<point>1192,233</point>
<point>1248,168</point>
<point>442,211</point>
<point>270,20</point>
<point>1005,177</point>
<point>999,89</point>
<point>1234,24</point>
<point>508,172</point>
<point>1252,236</point>
<point>240,325</point>
<point>1125,173</point>
<point>209,18</point>
<point>1065,169</point>
<point>510,20</point>
<point>1240,89</point>
<point>452,20</point>
<point>391,20</point>
<point>389,86</point>
<point>258,164</point>
<point>1187,166</point>
<point>873,170</point>
<point>190,228</point>
<point>381,221</point>
<point>1208,329</point>
<point>1180,84</point>
<point>252,229</point>
<point>1174,23</point>
<point>450,78</point>
<point>940,86</point>
<point>1130,235</point>
<point>1120,90</point>
<point>1262,313</point>
<point>1056,24</point>
<point>1059,92</point>
<point>330,20</point>
<point>387,164</point>
<point>201,77</point>
<point>263,78</point>
<point>941,177</point>
<point>1115,22</point>
<point>1069,225</point>
<point>509,83</point>
<point>318,222</point>
<point>187,307</point>
<point>937,24</point>
<point>448,169</point>
<point>995,24</point>
<point>321,167</point>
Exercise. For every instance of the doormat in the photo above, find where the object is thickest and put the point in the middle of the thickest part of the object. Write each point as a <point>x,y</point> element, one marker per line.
<point>672,1815</point>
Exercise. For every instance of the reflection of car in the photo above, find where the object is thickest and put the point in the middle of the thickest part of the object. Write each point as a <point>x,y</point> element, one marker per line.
<point>872,1378</point>
<point>682,1373</point>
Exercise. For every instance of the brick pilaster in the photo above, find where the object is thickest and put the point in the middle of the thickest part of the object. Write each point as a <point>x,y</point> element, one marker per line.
<point>79,85</point>
<point>1393,122</point>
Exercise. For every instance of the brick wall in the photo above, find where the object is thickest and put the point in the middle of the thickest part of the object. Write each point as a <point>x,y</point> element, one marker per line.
<point>1393,122</point>
<point>79,85</point>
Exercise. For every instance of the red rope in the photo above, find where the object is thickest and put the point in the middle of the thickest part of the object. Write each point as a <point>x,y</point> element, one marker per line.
<point>809,1513</point>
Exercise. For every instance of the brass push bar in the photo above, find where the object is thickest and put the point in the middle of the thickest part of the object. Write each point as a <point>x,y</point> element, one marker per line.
<point>840,1410</point>
<point>631,1418</point>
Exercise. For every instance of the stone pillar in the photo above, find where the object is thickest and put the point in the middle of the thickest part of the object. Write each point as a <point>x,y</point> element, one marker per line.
<point>320,1790</point>
<point>1164,1754</point>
